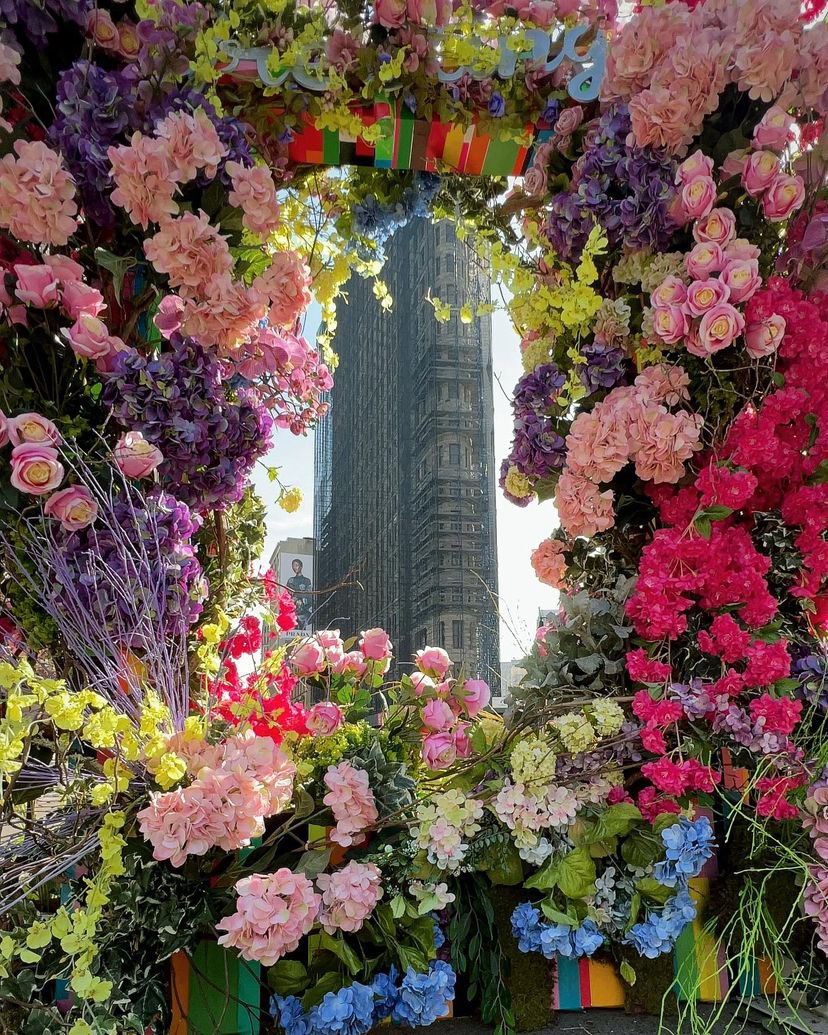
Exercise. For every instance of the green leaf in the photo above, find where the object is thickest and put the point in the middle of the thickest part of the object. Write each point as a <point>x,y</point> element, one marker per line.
<point>342,951</point>
<point>662,821</point>
<point>717,513</point>
<point>555,916</point>
<point>288,977</point>
<point>785,686</point>
<point>545,488</point>
<point>313,862</point>
<point>576,873</point>
<point>635,907</point>
<point>641,849</point>
<point>703,527</point>
<point>330,982</point>
<point>627,973</point>
<point>118,266</point>
<point>650,888</point>
<point>478,739</point>
<point>778,379</point>
<point>544,879</point>
<point>601,849</point>
<point>398,906</point>
<point>617,821</point>
<point>820,475</point>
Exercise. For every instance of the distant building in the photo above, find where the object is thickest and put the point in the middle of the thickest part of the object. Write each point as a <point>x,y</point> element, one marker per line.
<point>404,515</point>
<point>293,564</point>
<point>510,675</point>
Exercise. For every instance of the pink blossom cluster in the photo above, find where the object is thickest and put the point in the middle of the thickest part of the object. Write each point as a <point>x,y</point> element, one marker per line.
<point>349,896</point>
<point>325,653</point>
<point>527,813</point>
<point>274,911</point>
<point>672,63</point>
<point>37,195</point>
<point>238,784</point>
<point>254,192</point>
<point>351,800</point>
<point>630,423</point>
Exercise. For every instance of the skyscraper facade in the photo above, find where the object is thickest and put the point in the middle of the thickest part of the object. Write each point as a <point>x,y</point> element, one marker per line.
<point>405,467</point>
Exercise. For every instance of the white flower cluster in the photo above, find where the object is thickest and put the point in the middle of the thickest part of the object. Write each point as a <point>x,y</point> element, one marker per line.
<point>447,822</point>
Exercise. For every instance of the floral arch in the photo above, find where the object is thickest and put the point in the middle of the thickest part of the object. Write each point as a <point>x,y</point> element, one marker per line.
<point>198,836</point>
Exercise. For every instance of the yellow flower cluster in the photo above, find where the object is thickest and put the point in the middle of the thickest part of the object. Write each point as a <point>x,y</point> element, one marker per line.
<point>575,731</point>
<point>290,500</point>
<point>532,761</point>
<point>606,716</point>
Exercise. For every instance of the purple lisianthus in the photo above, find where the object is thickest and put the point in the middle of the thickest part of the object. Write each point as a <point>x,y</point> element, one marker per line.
<point>606,366</point>
<point>538,390</point>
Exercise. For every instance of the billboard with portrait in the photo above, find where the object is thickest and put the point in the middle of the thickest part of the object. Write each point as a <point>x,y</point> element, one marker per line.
<point>296,573</point>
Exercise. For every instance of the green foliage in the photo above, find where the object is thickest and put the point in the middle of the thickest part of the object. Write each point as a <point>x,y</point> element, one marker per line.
<point>390,781</point>
<point>230,543</point>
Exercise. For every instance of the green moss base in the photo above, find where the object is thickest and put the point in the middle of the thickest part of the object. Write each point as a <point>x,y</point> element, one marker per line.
<point>530,974</point>
<point>652,992</point>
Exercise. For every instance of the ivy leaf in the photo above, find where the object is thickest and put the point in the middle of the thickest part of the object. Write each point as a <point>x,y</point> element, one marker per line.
<point>627,973</point>
<point>576,873</point>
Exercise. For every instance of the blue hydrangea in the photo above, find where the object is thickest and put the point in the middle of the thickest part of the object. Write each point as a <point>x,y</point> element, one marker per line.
<point>439,937</point>
<point>689,844</point>
<point>350,1011</point>
<point>556,940</point>
<point>587,939</point>
<point>534,935</point>
<point>660,931</point>
<point>423,998</point>
<point>526,927</point>
<point>386,993</point>
<point>290,1015</point>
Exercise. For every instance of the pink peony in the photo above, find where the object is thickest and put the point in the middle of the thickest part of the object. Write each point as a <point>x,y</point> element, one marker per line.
<point>254,192</point>
<point>135,457</point>
<point>36,286</point>
<point>352,802</point>
<point>671,291</point>
<point>89,338</point>
<point>742,278</point>
<point>583,510</point>
<point>191,252</point>
<point>73,507</point>
<point>144,178</point>
<point>324,718</point>
<point>703,295</point>
<point>439,750</point>
<point>774,130</point>
<point>35,468</point>
<point>704,259</point>
<point>37,195</point>
<point>32,427</point>
<point>784,196</point>
<point>286,285</point>
<point>308,659</point>
<point>549,563</point>
<point>77,299</point>
<point>193,144</point>
<point>670,323</point>
<point>759,172</point>
<point>718,227</point>
<point>434,661</point>
<point>437,715</point>
<point>375,644</point>
<point>698,197</point>
<point>763,339</point>
<point>475,696</point>
<point>390,14</point>
<point>349,896</point>
<point>274,912</point>
<point>719,327</point>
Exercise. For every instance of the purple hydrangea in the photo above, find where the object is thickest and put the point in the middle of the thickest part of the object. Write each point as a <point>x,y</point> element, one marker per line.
<point>44,18</point>
<point>537,448</point>
<point>538,390</point>
<point>627,190</point>
<point>606,366</point>
<point>98,576</point>
<point>210,436</point>
<point>93,111</point>
<point>812,672</point>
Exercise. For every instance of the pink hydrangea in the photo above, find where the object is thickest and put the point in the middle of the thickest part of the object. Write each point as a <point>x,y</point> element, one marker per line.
<point>661,442</point>
<point>583,510</point>
<point>349,896</point>
<point>145,179</point>
<point>254,192</point>
<point>286,284</point>
<point>225,316</point>
<point>661,383</point>
<point>764,66</point>
<point>191,252</point>
<point>351,800</point>
<point>549,562</point>
<point>274,912</point>
<point>193,144</point>
<point>596,446</point>
<point>37,195</point>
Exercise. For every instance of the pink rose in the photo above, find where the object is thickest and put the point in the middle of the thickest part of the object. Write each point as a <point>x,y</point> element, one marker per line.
<point>669,323</point>
<point>78,298</point>
<point>719,327</point>
<point>352,663</point>
<point>734,163</point>
<point>36,285</point>
<point>129,42</point>
<point>740,248</point>
<point>102,29</point>
<point>331,643</point>
<point>135,457</point>
<point>704,259</point>
<point>569,120</point>
<point>309,658</point>
<point>694,166</point>
<point>742,277</point>
<point>390,13</point>
<point>324,718</point>
<point>423,12</point>
<point>437,715</point>
<point>4,429</point>
<point>462,743</point>
<point>434,661</point>
<point>65,269</point>
<point>671,291</point>
<point>73,507</point>
<point>703,295</point>
<point>763,339</point>
<point>774,130</point>
<point>476,696</point>
<point>439,750</point>
<point>718,226</point>
<point>759,172</point>
<point>89,338</point>
<point>785,195</point>
<point>534,181</point>
<point>31,427</point>
<point>170,314</point>
<point>376,644</point>
<point>35,468</point>
<point>422,683</point>
<point>698,197</point>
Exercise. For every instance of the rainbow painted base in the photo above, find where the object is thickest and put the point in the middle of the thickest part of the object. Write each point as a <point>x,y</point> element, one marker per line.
<point>215,993</point>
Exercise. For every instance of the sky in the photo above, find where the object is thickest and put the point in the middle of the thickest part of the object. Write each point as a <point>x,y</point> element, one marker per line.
<point>519,530</point>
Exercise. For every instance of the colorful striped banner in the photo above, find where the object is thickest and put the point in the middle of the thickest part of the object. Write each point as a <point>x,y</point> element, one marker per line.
<point>215,993</point>
<point>581,984</point>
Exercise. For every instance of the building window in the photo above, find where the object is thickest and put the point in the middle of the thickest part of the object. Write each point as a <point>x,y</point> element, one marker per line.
<point>457,634</point>
<point>421,638</point>
<point>442,636</point>
<point>454,452</point>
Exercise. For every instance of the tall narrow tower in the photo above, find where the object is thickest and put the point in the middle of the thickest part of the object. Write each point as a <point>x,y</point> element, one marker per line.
<point>405,466</point>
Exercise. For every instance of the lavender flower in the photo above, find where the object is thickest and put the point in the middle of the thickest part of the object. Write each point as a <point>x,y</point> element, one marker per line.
<point>44,18</point>
<point>605,366</point>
